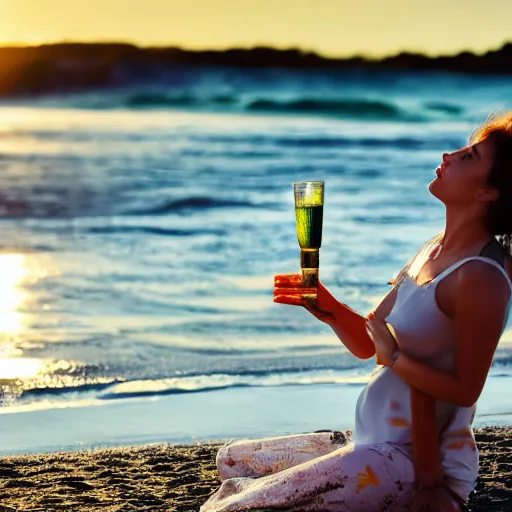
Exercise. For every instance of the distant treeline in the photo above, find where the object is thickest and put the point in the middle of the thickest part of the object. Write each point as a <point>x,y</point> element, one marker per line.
<point>62,67</point>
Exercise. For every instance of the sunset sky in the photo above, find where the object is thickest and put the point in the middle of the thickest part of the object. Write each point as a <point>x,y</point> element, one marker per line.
<point>332,27</point>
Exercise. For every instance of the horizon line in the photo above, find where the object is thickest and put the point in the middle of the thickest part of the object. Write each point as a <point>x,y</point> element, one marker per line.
<point>255,46</point>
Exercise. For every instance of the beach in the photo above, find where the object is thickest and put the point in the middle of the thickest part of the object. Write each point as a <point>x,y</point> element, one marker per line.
<point>141,231</point>
<point>171,477</point>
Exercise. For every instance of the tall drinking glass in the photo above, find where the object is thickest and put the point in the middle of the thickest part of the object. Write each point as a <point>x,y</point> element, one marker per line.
<point>309,214</point>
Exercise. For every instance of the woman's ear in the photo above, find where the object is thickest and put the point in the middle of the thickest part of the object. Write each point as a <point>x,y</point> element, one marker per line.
<point>487,194</point>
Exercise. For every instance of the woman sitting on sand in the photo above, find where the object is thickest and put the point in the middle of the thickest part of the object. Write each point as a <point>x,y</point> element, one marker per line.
<point>434,335</point>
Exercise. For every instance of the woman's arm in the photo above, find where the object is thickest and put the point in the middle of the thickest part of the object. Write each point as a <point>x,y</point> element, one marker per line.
<point>350,327</point>
<point>480,300</point>
<point>427,458</point>
<point>431,492</point>
<point>347,324</point>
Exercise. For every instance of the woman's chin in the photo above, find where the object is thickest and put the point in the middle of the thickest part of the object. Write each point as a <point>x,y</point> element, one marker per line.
<point>432,187</point>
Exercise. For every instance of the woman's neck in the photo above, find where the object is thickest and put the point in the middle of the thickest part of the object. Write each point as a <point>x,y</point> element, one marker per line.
<point>462,235</point>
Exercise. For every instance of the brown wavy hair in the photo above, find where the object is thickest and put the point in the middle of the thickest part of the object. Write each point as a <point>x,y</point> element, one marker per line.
<point>498,128</point>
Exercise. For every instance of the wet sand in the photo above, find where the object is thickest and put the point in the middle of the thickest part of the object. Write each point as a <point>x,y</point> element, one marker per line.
<point>168,477</point>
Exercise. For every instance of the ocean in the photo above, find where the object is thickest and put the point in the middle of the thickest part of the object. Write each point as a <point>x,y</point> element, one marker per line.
<point>141,229</point>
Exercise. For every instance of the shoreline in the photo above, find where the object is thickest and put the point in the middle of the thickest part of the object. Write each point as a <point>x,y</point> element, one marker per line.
<point>195,417</point>
<point>181,477</point>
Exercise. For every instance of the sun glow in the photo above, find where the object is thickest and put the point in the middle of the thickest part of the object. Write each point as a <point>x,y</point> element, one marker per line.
<point>17,271</point>
<point>13,368</point>
<point>333,27</point>
<point>13,272</point>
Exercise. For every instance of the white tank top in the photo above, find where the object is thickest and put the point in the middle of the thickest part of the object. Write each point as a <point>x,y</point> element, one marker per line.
<point>383,411</point>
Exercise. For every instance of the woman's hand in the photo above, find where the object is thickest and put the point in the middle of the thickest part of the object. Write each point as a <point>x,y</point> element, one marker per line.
<point>323,316</point>
<point>431,493</point>
<point>288,290</point>
<point>434,499</point>
<point>429,476</point>
<point>383,340</point>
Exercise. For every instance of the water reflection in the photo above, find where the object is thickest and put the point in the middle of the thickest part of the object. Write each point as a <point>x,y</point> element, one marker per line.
<point>13,272</point>
<point>14,368</point>
<point>16,272</point>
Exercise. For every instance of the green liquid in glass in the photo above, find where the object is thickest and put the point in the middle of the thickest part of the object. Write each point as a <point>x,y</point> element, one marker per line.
<point>309,226</point>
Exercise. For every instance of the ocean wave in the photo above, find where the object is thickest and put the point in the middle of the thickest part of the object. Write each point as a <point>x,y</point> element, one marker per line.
<point>192,203</point>
<point>357,108</point>
<point>201,383</point>
<point>446,108</point>
<point>118,388</point>
<point>335,142</point>
<point>114,230</point>
<point>63,390</point>
<point>324,141</point>
<point>350,376</point>
<point>121,388</point>
<point>348,108</point>
<point>503,360</point>
<point>381,218</point>
<point>156,100</point>
<point>161,100</point>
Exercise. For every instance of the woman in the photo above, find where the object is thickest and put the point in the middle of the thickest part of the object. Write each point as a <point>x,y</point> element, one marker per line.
<point>434,335</point>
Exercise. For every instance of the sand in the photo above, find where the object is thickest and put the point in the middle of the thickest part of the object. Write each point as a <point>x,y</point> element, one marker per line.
<point>180,478</point>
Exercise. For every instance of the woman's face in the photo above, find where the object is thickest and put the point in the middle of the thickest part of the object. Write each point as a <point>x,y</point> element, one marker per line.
<point>462,176</point>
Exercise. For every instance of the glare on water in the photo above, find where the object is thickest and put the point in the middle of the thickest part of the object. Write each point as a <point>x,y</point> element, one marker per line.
<point>16,270</point>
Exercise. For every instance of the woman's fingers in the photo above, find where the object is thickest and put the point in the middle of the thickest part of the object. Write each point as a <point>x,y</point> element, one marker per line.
<point>286,298</point>
<point>300,299</point>
<point>376,328</point>
<point>289,290</point>
<point>295,291</point>
<point>288,280</point>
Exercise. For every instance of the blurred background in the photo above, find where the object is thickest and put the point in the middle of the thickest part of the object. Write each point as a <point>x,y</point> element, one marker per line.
<point>147,154</point>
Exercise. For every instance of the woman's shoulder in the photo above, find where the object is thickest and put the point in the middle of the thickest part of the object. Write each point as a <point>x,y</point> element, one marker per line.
<point>506,260</point>
<point>502,258</point>
<point>487,278</point>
